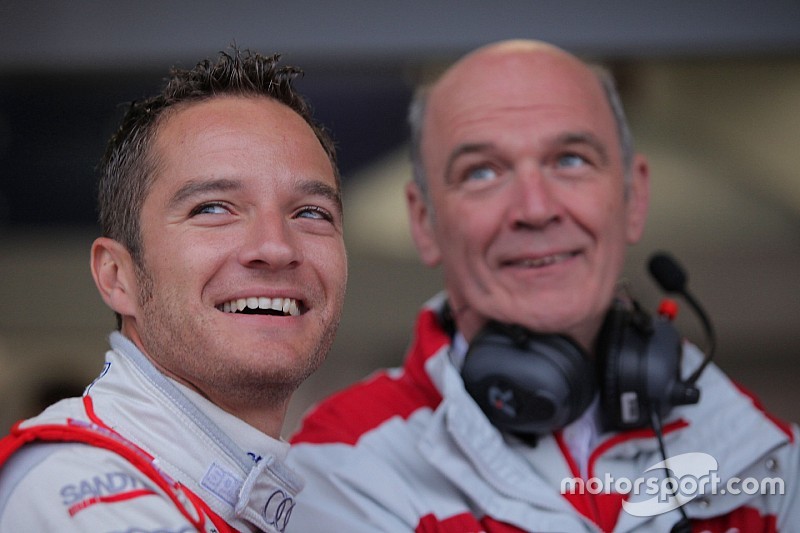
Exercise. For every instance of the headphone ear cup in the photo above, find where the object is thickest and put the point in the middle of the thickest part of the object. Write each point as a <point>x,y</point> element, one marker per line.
<point>638,361</point>
<point>528,384</point>
<point>619,360</point>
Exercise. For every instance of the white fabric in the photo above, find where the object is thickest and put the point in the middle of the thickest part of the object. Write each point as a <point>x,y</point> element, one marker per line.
<point>580,436</point>
<point>419,461</point>
<point>234,468</point>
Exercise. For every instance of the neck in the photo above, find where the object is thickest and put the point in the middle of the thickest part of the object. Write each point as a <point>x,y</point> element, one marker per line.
<point>262,405</point>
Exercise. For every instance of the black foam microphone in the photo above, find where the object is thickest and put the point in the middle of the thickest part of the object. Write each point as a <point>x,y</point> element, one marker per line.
<point>667,272</point>
<point>672,278</point>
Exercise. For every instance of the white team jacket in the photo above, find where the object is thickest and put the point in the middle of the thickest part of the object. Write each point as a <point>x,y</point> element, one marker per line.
<point>237,471</point>
<point>409,450</point>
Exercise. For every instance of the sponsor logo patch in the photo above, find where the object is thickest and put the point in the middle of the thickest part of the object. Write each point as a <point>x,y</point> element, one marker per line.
<point>99,486</point>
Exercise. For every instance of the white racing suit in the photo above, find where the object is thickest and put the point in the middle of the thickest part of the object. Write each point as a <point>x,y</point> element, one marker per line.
<point>142,453</point>
<point>409,450</point>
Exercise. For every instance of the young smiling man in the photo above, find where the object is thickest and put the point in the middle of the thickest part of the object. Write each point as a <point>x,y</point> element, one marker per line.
<point>223,257</point>
<point>527,193</point>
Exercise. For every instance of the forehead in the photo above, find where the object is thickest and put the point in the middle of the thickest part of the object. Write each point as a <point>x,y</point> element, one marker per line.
<point>249,135</point>
<point>524,87</point>
<point>248,117</point>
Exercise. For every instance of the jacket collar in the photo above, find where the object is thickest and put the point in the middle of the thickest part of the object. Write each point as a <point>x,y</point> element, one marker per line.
<point>247,489</point>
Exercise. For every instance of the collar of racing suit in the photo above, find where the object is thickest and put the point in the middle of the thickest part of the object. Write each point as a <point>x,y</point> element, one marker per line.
<point>243,479</point>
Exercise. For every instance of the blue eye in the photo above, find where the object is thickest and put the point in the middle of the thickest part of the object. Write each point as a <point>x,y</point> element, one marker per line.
<point>571,161</point>
<point>210,209</point>
<point>314,212</point>
<point>481,174</point>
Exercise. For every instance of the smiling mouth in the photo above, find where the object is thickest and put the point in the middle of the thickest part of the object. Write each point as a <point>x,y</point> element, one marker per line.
<point>261,305</point>
<point>540,262</point>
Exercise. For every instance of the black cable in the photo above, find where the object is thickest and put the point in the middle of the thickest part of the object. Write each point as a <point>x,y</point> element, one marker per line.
<point>683,525</point>
<point>710,336</point>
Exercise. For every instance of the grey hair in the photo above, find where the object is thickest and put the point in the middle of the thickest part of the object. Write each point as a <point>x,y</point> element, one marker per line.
<point>416,117</point>
<point>418,108</point>
<point>623,129</point>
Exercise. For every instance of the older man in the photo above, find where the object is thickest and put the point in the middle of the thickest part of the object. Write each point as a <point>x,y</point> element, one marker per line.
<point>506,416</point>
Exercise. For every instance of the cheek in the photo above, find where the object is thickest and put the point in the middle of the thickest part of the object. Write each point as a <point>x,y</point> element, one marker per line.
<point>610,227</point>
<point>330,261</point>
<point>602,214</point>
<point>337,266</point>
<point>185,261</point>
<point>461,244</point>
<point>467,248</point>
<point>470,225</point>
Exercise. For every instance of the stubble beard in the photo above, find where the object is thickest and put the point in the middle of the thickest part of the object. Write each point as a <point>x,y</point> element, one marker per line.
<point>182,350</point>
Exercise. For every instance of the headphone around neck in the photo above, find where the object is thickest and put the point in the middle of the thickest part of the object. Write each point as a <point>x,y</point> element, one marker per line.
<point>531,384</point>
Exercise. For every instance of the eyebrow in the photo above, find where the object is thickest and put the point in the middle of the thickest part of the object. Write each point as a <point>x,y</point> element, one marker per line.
<point>588,139</point>
<point>320,188</point>
<point>195,187</point>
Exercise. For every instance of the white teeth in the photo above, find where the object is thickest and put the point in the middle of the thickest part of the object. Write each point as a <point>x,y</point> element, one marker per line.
<point>543,261</point>
<point>538,262</point>
<point>288,306</point>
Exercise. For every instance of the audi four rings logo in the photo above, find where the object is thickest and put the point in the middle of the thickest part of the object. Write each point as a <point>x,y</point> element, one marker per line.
<point>278,509</point>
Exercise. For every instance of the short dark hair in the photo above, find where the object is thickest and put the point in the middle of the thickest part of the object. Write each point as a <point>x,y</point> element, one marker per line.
<point>128,166</point>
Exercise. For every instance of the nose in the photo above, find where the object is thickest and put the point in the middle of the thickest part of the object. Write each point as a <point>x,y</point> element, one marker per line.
<point>269,244</point>
<point>534,203</point>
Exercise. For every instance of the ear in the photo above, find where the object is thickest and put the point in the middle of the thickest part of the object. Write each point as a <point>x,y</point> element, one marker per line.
<point>114,275</point>
<point>638,201</point>
<point>420,219</point>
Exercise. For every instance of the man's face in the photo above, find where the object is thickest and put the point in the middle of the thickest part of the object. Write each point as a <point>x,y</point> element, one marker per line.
<point>528,213</point>
<point>244,209</point>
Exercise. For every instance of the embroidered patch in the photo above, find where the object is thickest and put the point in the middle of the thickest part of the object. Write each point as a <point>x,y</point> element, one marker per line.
<point>222,483</point>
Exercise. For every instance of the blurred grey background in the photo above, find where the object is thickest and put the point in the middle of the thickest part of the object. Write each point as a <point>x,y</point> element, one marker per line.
<point>712,89</point>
